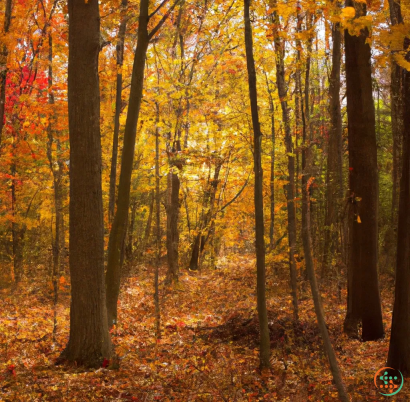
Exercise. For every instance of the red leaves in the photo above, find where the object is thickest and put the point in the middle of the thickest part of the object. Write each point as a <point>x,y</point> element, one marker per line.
<point>105,363</point>
<point>11,369</point>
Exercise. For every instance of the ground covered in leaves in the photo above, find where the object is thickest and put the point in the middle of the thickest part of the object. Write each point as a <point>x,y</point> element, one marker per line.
<point>208,350</point>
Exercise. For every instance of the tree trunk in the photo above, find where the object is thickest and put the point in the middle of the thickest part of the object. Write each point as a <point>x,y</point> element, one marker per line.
<point>259,221</point>
<point>396,83</point>
<point>281,83</point>
<point>89,343</point>
<point>129,249</point>
<point>158,230</point>
<point>172,225</point>
<point>334,177</point>
<point>399,350</point>
<point>320,316</point>
<point>205,228</point>
<point>55,168</point>
<point>3,63</point>
<point>272,165</point>
<point>113,274</point>
<point>118,107</point>
<point>363,287</point>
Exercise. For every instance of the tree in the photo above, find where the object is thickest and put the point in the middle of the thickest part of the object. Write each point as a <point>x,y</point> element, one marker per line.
<point>363,304</point>
<point>89,343</point>
<point>290,188</point>
<point>399,350</point>
<point>118,230</point>
<point>3,63</point>
<point>258,195</point>
<point>118,107</point>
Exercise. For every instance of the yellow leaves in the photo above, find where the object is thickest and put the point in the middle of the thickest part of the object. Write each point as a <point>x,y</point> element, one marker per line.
<point>348,13</point>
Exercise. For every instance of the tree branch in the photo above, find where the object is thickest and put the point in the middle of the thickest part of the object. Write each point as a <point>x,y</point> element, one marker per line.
<point>163,19</point>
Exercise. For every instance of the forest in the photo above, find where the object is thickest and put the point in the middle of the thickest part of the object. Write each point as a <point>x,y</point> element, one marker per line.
<point>204,200</point>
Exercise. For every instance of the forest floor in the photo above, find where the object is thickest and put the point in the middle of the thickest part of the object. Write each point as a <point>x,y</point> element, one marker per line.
<point>209,345</point>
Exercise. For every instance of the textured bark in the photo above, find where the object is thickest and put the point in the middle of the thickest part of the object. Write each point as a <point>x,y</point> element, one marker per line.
<point>3,65</point>
<point>113,274</point>
<point>283,93</point>
<point>399,350</point>
<point>89,343</point>
<point>334,176</point>
<point>396,83</point>
<point>118,107</point>
<point>363,285</point>
<point>264,342</point>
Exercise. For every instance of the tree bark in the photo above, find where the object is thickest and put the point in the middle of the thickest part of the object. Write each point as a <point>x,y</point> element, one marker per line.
<point>118,107</point>
<point>89,343</point>
<point>399,350</point>
<point>3,64</point>
<point>363,284</point>
<point>283,93</point>
<point>113,274</point>
<point>264,341</point>
<point>272,165</point>
<point>334,176</point>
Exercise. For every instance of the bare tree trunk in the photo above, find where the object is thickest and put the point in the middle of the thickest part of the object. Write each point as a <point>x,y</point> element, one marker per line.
<point>396,84</point>
<point>118,107</point>
<point>89,343</point>
<point>334,188</point>
<point>399,350</point>
<point>264,342</point>
<point>363,285</point>
<point>280,79</point>
<point>272,165</point>
<point>320,316</point>
<point>113,274</point>
<point>129,249</point>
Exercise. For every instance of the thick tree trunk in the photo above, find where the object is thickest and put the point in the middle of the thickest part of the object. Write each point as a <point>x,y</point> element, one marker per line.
<point>363,287</point>
<point>334,177</point>
<point>264,341</point>
<point>3,64</point>
<point>282,90</point>
<point>396,83</point>
<point>118,107</point>
<point>172,225</point>
<point>113,274</point>
<point>399,350</point>
<point>89,343</point>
